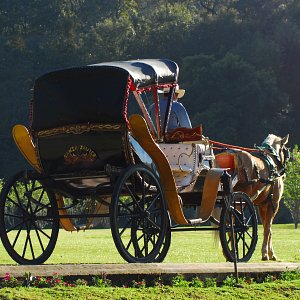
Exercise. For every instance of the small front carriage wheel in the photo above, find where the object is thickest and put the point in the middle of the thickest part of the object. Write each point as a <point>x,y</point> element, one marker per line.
<point>139,219</point>
<point>29,220</point>
<point>241,213</point>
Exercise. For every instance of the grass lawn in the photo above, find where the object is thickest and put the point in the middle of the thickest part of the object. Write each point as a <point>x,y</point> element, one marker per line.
<point>96,246</point>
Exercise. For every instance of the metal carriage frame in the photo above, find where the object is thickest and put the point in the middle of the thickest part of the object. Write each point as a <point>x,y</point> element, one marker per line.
<point>84,144</point>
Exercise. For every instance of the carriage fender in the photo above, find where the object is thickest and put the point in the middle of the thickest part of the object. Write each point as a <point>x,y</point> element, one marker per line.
<point>210,192</point>
<point>66,224</point>
<point>141,133</point>
<point>24,142</point>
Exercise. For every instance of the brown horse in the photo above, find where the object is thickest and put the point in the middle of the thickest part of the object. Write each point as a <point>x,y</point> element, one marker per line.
<point>261,175</point>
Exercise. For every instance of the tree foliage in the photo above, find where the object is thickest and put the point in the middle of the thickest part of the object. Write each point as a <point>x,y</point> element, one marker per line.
<point>239,59</point>
<point>292,185</point>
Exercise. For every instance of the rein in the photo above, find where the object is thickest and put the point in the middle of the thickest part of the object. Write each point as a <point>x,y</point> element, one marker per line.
<point>264,152</point>
<point>230,146</point>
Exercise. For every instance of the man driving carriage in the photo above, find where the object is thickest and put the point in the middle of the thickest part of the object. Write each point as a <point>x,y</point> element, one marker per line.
<point>178,115</point>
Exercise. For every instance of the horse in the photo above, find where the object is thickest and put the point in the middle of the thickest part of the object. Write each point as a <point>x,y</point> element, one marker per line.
<point>260,174</point>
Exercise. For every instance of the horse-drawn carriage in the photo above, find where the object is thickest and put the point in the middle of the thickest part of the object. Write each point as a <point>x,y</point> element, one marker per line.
<point>93,146</point>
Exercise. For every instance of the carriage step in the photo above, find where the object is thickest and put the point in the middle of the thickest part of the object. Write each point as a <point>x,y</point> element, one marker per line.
<point>195,221</point>
<point>80,227</point>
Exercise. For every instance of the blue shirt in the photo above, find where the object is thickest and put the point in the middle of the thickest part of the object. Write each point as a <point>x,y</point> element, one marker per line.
<point>178,115</point>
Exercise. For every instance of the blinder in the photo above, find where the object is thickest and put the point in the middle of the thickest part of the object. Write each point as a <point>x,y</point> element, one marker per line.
<point>286,154</point>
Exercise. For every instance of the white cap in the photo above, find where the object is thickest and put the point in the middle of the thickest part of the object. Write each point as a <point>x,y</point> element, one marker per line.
<point>180,92</point>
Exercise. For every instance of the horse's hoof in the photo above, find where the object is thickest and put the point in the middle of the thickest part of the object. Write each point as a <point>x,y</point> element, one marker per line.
<point>265,258</point>
<point>274,258</point>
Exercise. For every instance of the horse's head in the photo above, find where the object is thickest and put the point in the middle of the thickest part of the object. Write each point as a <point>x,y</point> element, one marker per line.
<point>276,146</point>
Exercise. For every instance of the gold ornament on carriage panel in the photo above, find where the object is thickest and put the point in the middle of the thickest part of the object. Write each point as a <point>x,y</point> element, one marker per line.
<point>79,153</point>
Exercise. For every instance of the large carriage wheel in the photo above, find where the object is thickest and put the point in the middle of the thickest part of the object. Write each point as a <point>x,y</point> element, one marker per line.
<point>139,219</point>
<point>29,220</point>
<point>241,214</point>
<point>166,244</point>
<point>163,249</point>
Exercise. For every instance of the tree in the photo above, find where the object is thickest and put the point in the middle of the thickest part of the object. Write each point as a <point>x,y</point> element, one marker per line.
<point>239,59</point>
<point>292,185</point>
<point>235,102</point>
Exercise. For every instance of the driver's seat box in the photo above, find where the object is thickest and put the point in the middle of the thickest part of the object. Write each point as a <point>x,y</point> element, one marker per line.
<point>187,160</point>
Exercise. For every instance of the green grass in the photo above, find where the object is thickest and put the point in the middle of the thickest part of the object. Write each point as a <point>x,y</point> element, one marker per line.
<point>276,290</point>
<point>96,246</point>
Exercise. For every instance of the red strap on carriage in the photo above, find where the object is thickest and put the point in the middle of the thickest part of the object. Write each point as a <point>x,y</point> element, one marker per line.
<point>222,145</point>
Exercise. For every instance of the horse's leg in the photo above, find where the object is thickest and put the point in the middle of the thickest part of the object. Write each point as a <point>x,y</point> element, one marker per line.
<point>272,211</point>
<point>271,252</point>
<point>264,249</point>
<point>267,213</point>
<point>273,207</point>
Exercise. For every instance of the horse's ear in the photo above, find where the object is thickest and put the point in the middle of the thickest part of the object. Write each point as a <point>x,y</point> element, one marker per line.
<point>285,139</point>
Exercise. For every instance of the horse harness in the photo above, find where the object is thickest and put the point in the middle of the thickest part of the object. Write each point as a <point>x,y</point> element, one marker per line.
<point>276,168</point>
<point>268,154</point>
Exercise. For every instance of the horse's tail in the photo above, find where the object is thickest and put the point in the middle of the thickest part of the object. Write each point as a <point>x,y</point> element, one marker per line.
<point>216,215</point>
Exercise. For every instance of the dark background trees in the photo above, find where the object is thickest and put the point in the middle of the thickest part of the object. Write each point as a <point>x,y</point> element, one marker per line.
<point>235,101</point>
<point>239,59</point>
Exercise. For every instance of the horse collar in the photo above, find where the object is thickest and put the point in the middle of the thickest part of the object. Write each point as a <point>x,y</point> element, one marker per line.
<point>274,165</point>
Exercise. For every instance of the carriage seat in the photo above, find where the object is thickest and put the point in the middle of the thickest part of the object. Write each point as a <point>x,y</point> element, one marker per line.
<point>182,134</point>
